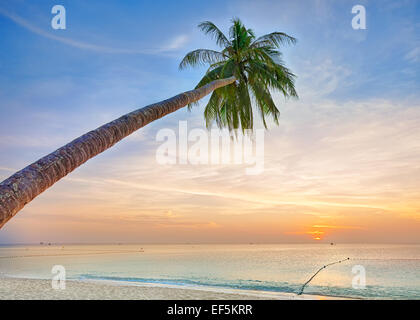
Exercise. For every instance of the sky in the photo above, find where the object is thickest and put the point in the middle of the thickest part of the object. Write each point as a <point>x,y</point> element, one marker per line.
<point>341,166</point>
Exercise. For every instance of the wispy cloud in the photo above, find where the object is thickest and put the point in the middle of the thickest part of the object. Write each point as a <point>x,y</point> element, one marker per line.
<point>174,44</point>
<point>413,55</point>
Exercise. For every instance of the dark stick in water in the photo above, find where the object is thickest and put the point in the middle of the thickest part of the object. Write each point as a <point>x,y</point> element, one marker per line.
<point>310,279</point>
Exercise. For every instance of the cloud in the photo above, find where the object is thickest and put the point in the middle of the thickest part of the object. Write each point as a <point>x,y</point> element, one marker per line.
<point>335,227</point>
<point>260,200</point>
<point>321,77</point>
<point>413,55</point>
<point>176,43</point>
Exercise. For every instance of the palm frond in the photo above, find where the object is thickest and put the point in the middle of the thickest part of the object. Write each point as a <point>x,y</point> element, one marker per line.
<point>275,39</point>
<point>210,28</point>
<point>265,102</point>
<point>201,57</point>
<point>275,77</point>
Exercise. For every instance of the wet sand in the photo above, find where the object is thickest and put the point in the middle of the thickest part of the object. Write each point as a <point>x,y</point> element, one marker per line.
<point>37,289</point>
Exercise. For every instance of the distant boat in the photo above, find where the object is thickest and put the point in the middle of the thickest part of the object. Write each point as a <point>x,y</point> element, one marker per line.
<point>332,243</point>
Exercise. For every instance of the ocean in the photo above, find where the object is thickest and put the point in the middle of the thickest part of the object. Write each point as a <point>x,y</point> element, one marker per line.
<point>388,271</point>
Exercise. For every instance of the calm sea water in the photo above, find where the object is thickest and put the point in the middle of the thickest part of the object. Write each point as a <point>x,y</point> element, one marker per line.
<point>392,271</point>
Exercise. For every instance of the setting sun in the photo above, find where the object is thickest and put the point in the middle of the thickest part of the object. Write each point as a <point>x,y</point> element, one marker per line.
<point>316,235</point>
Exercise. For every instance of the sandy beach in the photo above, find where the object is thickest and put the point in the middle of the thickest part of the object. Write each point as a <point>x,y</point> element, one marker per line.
<point>37,289</point>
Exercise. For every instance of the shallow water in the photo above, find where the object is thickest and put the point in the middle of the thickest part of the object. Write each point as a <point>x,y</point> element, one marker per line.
<point>392,271</point>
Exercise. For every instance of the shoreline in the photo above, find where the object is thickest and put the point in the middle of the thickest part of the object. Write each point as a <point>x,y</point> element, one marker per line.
<point>13,288</point>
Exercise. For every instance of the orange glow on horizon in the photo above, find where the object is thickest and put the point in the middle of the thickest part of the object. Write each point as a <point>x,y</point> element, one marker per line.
<point>316,235</point>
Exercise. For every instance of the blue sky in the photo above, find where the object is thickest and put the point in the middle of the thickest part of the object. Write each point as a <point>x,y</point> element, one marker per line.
<point>44,79</point>
<point>116,56</point>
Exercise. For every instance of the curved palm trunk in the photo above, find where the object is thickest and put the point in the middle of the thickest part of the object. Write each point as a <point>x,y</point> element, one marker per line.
<point>26,184</point>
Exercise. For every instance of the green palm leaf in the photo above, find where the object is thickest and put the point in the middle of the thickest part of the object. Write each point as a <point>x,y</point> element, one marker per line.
<point>210,28</point>
<point>200,57</point>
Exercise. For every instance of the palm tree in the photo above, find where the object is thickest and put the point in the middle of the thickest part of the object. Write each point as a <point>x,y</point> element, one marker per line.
<point>246,69</point>
<point>257,67</point>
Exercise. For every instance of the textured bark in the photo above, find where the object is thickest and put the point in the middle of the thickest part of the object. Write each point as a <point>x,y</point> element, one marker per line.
<point>26,184</point>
